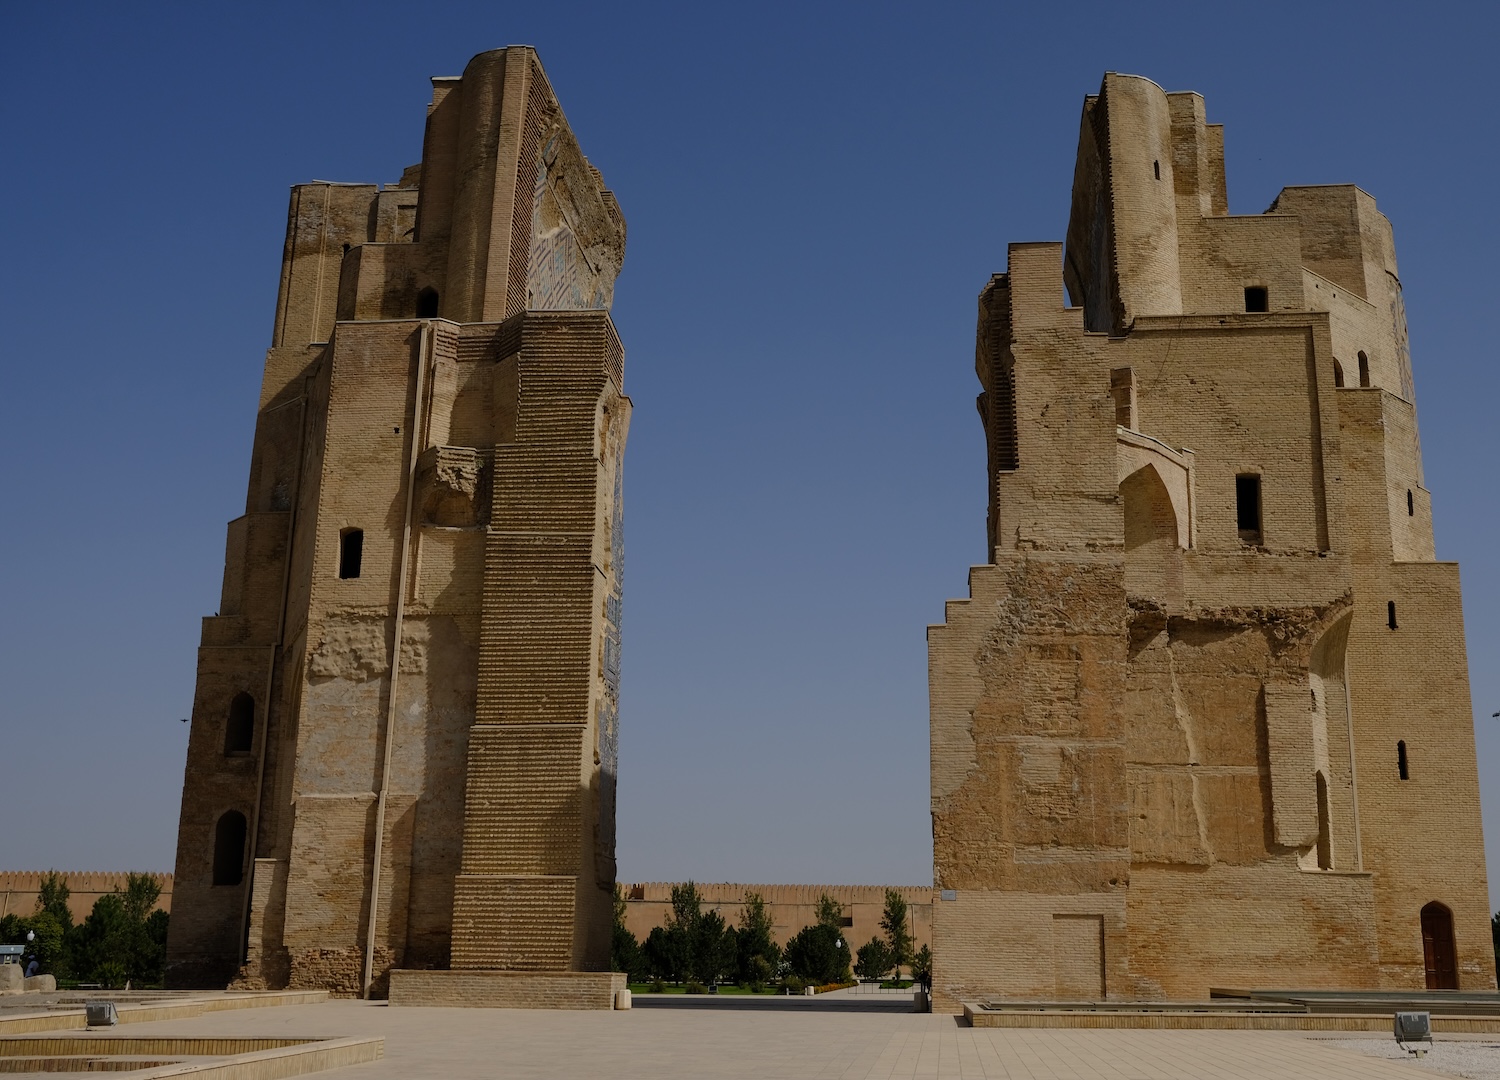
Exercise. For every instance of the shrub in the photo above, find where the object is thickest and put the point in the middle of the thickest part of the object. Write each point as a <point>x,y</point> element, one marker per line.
<point>760,972</point>
<point>696,987</point>
<point>793,984</point>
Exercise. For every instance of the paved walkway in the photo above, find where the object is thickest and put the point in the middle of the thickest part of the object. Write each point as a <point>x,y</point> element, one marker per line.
<point>758,1044</point>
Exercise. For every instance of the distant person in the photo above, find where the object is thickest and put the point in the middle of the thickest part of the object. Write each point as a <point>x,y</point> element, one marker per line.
<point>31,967</point>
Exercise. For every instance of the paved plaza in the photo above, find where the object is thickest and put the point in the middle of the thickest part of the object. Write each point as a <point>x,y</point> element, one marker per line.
<point>773,1039</point>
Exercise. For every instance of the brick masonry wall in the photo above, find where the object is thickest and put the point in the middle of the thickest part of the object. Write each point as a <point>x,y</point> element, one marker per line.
<point>517,431</point>
<point>1164,748</point>
<point>506,989</point>
<point>20,890</point>
<point>791,907</point>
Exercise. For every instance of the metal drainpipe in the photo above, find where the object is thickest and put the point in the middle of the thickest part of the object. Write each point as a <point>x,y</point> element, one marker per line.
<point>424,350</point>
<point>265,732</point>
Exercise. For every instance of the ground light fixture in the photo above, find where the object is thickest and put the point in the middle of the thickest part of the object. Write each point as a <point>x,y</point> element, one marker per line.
<point>1414,1032</point>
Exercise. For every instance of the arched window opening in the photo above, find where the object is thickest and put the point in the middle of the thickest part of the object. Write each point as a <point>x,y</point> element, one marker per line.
<point>1411,504</point>
<point>427,303</point>
<point>1257,298</point>
<point>1401,768</point>
<point>351,552</point>
<point>1338,374</point>
<point>1364,370</point>
<point>229,849</point>
<point>239,728</point>
<point>1390,614</point>
<point>1325,837</point>
<point>1439,952</point>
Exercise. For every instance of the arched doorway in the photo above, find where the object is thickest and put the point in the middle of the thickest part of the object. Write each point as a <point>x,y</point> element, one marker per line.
<point>1439,953</point>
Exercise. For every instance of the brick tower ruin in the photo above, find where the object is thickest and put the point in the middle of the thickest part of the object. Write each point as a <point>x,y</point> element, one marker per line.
<point>1204,720</point>
<point>401,772</point>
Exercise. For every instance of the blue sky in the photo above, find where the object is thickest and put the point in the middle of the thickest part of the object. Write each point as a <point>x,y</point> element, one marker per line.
<point>816,194</point>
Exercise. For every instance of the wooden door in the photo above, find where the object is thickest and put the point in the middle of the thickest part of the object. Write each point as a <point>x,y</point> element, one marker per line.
<point>1438,950</point>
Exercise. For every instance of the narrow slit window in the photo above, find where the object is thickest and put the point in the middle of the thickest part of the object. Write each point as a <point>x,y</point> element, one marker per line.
<point>1411,504</point>
<point>1247,507</point>
<point>239,727</point>
<point>1338,373</point>
<point>427,304</point>
<point>1156,168</point>
<point>1122,389</point>
<point>1364,370</point>
<point>351,552</point>
<point>1401,765</point>
<point>229,849</point>
<point>1325,830</point>
<point>1390,614</point>
<point>1257,298</point>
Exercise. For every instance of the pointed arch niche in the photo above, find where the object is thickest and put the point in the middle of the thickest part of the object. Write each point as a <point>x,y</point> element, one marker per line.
<point>1156,497</point>
<point>1337,795</point>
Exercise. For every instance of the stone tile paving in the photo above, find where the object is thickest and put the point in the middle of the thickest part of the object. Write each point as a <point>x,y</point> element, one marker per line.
<point>796,1044</point>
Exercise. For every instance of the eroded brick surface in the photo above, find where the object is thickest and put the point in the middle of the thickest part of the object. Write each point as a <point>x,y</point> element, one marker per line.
<point>431,776</point>
<point>1165,744</point>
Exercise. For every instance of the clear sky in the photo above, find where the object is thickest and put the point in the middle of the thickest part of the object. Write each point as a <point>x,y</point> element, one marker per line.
<point>815,195</point>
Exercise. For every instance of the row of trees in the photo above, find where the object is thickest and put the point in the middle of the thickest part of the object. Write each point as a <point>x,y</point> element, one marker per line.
<point>700,947</point>
<point>123,939</point>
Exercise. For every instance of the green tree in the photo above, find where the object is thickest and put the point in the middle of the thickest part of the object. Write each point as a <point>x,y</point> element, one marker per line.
<point>874,960</point>
<point>687,906</point>
<point>624,950</point>
<point>51,927</point>
<point>52,944</point>
<point>757,951</point>
<point>819,955</point>
<point>713,949</point>
<point>921,968</point>
<point>682,930</point>
<point>663,954</point>
<point>829,912</point>
<point>123,939</point>
<point>897,933</point>
<point>52,898</point>
<point>1495,939</point>
<point>694,945</point>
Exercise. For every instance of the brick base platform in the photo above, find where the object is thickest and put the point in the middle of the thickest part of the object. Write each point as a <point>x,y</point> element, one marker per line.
<point>507,989</point>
